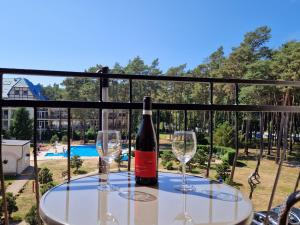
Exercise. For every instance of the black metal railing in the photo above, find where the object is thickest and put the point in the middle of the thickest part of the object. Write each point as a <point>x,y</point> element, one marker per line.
<point>103,75</point>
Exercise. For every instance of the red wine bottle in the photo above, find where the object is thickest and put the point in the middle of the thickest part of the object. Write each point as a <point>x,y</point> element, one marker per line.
<point>146,151</point>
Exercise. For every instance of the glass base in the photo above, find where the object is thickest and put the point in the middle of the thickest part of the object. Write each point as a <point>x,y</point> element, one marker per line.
<point>184,188</point>
<point>108,187</point>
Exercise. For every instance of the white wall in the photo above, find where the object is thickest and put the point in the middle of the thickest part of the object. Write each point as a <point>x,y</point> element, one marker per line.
<point>17,160</point>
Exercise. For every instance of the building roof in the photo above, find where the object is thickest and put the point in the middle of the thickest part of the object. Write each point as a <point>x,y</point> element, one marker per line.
<point>15,142</point>
<point>9,83</point>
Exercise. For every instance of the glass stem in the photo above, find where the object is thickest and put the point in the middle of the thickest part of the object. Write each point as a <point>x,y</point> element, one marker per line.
<point>183,174</point>
<point>107,173</point>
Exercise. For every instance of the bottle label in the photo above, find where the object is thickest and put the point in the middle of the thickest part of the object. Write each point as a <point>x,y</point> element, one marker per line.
<point>145,163</point>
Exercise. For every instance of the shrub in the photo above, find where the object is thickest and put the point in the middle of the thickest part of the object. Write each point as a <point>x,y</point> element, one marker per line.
<point>64,139</point>
<point>229,157</point>
<point>45,187</point>
<point>201,138</point>
<point>76,162</point>
<point>222,170</point>
<point>90,134</point>
<point>45,176</point>
<point>31,216</point>
<point>11,204</point>
<point>54,139</point>
<point>218,150</point>
<point>76,135</point>
<point>167,156</point>
<point>224,135</point>
<point>169,165</point>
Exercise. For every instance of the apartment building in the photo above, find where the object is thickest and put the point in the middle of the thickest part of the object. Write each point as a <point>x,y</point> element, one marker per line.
<point>50,118</point>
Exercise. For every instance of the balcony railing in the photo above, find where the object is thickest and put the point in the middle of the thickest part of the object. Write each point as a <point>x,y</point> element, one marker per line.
<point>158,107</point>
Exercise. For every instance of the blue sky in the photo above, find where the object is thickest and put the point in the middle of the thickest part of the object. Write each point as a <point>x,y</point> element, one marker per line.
<point>74,35</point>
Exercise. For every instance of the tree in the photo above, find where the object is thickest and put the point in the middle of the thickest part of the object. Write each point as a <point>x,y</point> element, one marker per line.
<point>45,187</point>
<point>11,204</point>
<point>21,127</point>
<point>54,139</point>
<point>76,162</point>
<point>224,135</point>
<point>45,176</point>
<point>31,216</point>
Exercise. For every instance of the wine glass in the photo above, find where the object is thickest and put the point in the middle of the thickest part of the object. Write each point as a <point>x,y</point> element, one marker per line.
<point>108,148</point>
<point>184,148</point>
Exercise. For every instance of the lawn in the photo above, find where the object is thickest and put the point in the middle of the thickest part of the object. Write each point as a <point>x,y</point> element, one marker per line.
<point>260,198</point>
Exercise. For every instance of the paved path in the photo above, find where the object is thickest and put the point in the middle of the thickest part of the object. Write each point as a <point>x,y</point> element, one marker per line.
<point>21,180</point>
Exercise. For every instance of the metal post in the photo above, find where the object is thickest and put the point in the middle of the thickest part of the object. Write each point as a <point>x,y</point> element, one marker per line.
<point>36,178</point>
<point>6,221</point>
<point>211,87</point>
<point>157,132</point>
<point>69,144</point>
<point>185,120</point>
<point>104,98</point>
<point>297,182</point>
<point>236,133</point>
<point>99,118</point>
<point>129,126</point>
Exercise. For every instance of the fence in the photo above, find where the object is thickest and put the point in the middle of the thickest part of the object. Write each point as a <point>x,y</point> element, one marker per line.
<point>104,75</point>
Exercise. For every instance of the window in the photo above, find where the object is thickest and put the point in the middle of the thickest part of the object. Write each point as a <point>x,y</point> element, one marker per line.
<point>5,124</point>
<point>17,92</point>
<point>25,93</point>
<point>5,114</point>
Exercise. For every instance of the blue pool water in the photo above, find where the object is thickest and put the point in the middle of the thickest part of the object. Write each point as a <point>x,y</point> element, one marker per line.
<point>81,150</point>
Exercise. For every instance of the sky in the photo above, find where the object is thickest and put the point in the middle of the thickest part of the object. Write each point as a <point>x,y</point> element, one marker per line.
<point>75,35</point>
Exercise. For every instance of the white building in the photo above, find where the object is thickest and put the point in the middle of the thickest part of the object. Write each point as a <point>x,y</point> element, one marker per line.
<point>16,156</point>
<point>20,88</point>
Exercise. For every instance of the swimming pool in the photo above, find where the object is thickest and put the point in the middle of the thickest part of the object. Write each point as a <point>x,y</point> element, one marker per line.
<point>80,150</point>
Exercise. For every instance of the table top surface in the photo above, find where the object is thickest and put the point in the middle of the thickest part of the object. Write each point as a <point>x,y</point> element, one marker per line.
<point>81,203</point>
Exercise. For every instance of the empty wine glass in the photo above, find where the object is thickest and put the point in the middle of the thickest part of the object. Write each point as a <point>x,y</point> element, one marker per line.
<point>108,147</point>
<point>184,148</point>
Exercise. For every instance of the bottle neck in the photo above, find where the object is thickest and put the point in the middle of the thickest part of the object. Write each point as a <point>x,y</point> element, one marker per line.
<point>147,112</point>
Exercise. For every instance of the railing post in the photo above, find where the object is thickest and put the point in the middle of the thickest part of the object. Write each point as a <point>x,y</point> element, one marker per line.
<point>185,120</point>
<point>157,132</point>
<point>236,133</point>
<point>69,144</point>
<point>129,126</point>
<point>36,171</point>
<point>211,88</point>
<point>3,191</point>
<point>103,83</point>
<point>297,182</point>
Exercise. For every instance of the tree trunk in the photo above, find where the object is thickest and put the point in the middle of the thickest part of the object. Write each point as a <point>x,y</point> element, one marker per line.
<point>247,136</point>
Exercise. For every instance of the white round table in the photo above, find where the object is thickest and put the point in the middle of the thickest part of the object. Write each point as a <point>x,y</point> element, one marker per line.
<point>81,203</point>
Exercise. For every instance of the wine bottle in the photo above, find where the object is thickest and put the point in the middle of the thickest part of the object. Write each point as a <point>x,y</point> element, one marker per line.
<point>146,153</point>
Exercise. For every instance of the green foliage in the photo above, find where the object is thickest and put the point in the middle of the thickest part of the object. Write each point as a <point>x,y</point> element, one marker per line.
<point>11,204</point>
<point>167,156</point>
<point>54,139</point>
<point>169,165</point>
<point>76,162</point>
<point>31,216</point>
<point>45,187</point>
<point>21,126</point>
<point>224,135</point>
<point>222,171</point>
<point>201,139</point>
<point>64,139</point>
<point>76,135</point>
<point>45,176</point>
<point>90,134</point>
<point>229,157</point>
